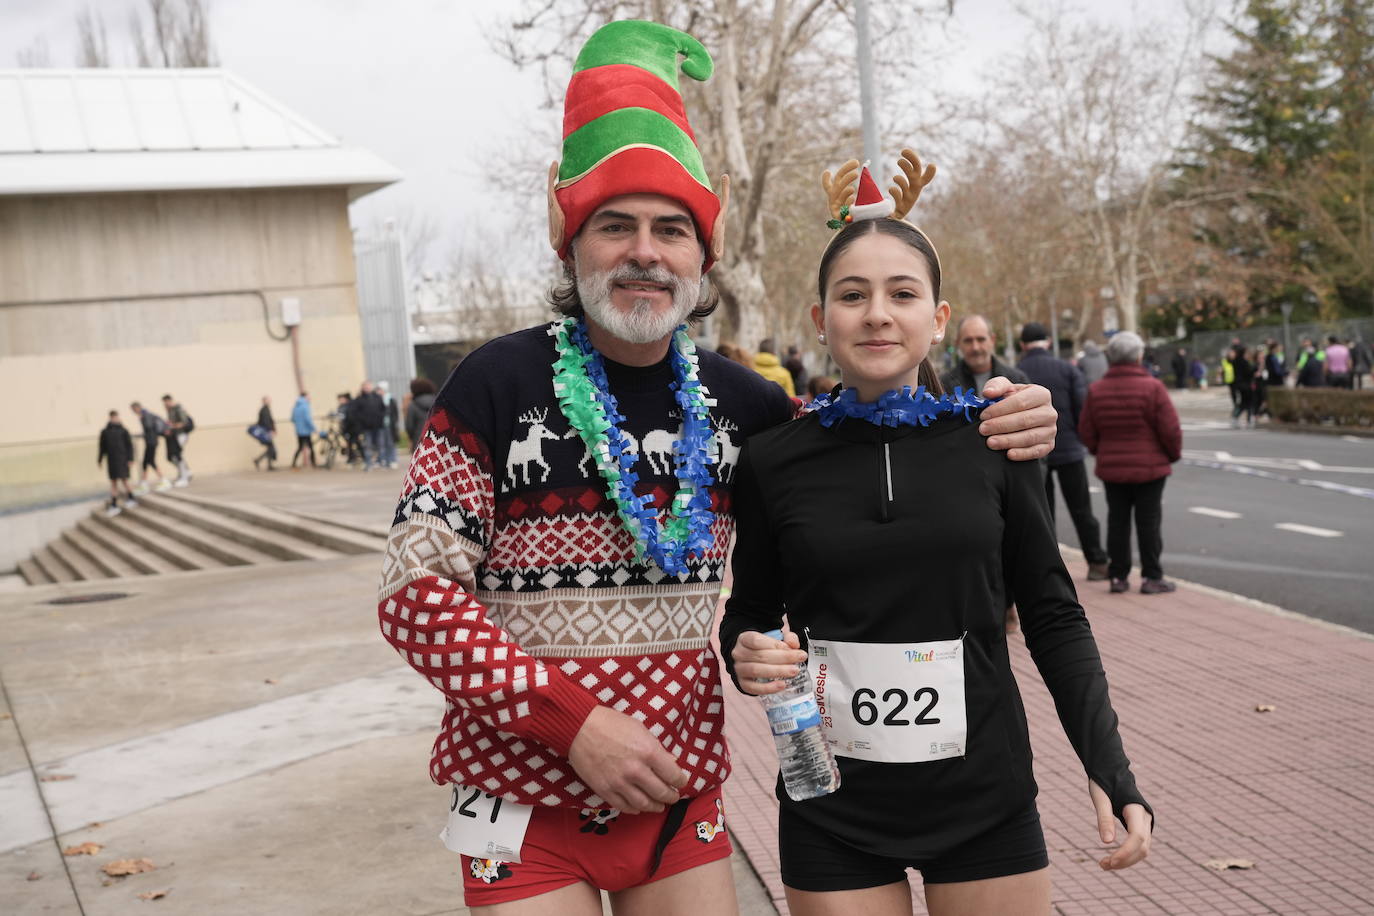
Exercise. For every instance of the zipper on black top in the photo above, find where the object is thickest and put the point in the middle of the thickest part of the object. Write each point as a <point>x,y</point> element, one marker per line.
<point>885,485</point>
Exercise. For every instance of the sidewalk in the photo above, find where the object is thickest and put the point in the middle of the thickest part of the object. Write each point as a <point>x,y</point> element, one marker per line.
<point>1288,790</point>
<point>249,733</point>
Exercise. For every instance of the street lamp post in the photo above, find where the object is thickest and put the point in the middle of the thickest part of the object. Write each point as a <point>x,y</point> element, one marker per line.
<point>1287,309</point>
<point>868,105</point>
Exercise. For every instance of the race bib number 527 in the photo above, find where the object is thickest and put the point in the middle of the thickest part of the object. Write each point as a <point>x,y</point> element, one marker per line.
<point>891,702</point>
<point>485,826</point>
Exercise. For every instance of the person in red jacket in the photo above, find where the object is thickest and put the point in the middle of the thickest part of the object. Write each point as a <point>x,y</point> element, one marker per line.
<point>1131,426</point>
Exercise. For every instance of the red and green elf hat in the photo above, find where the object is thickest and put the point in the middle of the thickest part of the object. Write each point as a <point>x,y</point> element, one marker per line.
<point>625,131</point>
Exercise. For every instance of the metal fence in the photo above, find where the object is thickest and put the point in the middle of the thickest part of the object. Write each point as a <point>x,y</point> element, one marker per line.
<point>387,351</point>
<point>1209,344</point>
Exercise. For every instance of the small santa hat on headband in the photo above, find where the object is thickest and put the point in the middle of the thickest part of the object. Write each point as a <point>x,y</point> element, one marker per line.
<point>869,203</point>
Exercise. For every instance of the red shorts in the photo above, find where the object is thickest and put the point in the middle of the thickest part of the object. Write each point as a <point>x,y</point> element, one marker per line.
<point>604,848</point>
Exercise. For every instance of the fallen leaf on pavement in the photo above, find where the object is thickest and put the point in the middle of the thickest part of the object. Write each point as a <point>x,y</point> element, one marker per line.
<point>1265,707</point>
<point>56,777</point>
<point>154,895</point>
<point>33,876</point>
<point>1228,864</point>
<point>121,867</point>
<point>269,680</point>
<point>85,849</point>
<point>4,716</point>
<point>93,824</point>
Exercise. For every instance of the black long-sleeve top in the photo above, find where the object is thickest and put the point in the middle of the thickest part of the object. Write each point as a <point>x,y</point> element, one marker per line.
<point>961,534</point>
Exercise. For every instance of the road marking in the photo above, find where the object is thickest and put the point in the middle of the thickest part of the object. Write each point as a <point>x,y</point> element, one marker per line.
<point>1348,490</point>
<point>1360,439</point>
<point>1214,513</point>
<point>1308,529</point>
<point>1094,489</point>
<point>1222,456</point>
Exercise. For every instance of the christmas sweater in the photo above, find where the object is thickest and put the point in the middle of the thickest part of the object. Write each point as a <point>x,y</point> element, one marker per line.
<point>511,585</point>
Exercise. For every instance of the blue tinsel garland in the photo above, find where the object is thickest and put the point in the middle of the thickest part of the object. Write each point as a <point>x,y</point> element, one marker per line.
<point>896,408</point>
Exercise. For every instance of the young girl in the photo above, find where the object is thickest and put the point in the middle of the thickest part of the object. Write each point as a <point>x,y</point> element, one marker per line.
<point>894,541</point>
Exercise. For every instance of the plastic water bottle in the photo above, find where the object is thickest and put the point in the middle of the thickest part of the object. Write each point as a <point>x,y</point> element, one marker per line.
<point>808,766</point>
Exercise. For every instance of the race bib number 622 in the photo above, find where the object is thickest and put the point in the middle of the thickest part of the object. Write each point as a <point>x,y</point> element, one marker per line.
<point>891,702</point>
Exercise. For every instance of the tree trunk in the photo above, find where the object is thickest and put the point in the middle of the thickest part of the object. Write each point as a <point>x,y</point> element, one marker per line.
<point>742,299</point>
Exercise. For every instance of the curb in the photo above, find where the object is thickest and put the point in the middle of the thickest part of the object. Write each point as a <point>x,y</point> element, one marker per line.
<point>1255,603</point>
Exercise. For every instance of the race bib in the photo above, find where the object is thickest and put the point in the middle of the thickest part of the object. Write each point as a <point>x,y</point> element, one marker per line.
<point>891,702</point>
<point>485,826</point>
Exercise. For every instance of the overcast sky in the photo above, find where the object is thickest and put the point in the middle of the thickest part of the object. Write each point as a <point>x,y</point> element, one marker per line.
<point>414,81</point>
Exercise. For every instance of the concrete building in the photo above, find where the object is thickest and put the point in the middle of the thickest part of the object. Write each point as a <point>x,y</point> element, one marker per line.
<point>165,231</point>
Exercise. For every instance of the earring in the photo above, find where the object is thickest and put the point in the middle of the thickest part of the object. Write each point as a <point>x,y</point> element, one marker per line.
<point>820,338</point>
<point>939,337</point>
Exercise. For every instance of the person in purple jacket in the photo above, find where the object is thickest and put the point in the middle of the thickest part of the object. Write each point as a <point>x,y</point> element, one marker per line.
<point>1130,425</point>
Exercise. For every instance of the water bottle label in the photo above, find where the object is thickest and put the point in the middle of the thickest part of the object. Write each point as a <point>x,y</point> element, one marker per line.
<point>794,716</point>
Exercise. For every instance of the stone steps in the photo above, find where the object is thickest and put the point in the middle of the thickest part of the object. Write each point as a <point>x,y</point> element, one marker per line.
<point>173,531</point>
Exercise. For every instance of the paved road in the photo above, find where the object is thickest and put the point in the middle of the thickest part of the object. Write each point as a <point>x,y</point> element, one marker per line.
<point>1286,518</point>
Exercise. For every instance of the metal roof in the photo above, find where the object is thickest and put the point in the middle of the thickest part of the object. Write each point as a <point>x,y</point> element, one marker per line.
<point>101,130</point>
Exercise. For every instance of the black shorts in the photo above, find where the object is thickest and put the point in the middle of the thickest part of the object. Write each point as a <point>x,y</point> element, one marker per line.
<point>816,861</point>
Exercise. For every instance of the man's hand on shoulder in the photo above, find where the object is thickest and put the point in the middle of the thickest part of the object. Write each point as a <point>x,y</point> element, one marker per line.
<point>1023,423</point>
<point>619,760</point>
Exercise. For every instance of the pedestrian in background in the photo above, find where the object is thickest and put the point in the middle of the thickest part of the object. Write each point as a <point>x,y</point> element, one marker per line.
<point>1130,424</point>
<point>1243,384</point>
<point>154,428</point>
<point>303,419</point>
<point>766,364</point>
<point>1091,362</point>
<point>1275,367</point>
<point>368,411</point>
<point>391,425</point>
<point>347,425</point>
<point>978,362</point>
<point>267,435</point>
<point>422,393</point>
<point>1199,370</point>
<point>796,368</point>
<point>1311,365</point>
<point>736,354</point>
<point>179,427</point>
<point>1067,393</point>
<point>117,451</point>
<point>1337,363</point>
<point>1179,365</point>
<point>1362,358</point>
<point>818,385</point>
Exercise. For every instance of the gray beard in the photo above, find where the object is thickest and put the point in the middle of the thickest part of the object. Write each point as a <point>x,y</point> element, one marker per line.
<point>641,324</point>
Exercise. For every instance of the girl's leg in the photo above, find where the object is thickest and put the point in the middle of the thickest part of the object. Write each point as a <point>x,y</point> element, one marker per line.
<point>886,900</point>
<point>1014,895</point>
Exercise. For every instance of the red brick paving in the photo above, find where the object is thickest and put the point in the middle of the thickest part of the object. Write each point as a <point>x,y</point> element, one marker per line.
<point>1291,790</point>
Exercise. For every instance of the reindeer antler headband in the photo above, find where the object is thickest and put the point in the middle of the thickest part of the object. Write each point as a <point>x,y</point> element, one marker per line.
<point>853,195</point>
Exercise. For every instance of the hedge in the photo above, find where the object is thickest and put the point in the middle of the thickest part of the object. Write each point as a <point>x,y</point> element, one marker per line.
<point>1322,407</point>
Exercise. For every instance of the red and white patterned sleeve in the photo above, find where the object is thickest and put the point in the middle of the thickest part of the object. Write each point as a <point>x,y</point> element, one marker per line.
<point>426,604</point>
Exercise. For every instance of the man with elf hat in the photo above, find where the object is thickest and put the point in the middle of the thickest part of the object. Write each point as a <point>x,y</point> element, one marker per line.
<point>554,562</point>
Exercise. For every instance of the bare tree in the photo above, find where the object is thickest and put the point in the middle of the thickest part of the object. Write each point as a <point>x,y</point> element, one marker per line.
<point>1099,112</point>
<point>177,35</point>
<point>94,45</point>
<point>35,56</point>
